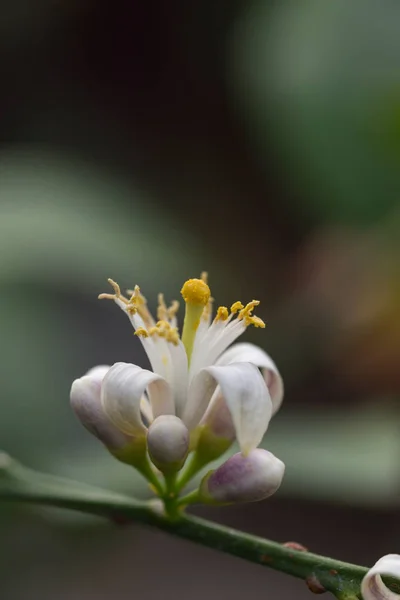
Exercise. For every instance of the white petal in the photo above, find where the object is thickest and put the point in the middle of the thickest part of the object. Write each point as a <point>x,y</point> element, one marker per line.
<point>248,400</point>
<point>98,373</point>
<point>245,352</point>
<point>217,338</point>
<point>200,393</point>
<point>121,395</point>
<point>372,587</point>
<point>86,403</point>
<point>146,410</point>
<point>155,348</point>
<point>245,394</point>
<point>179,383</point>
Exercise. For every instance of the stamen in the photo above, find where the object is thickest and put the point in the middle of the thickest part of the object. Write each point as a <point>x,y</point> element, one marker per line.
<point>142,332</point>
<point>117,293</point>
<point>222,314</point>
<point>206,315</point>
<point>162,312</point>
<point>246,315</point>
<point>236,307</point>
<point>164,330</point>
<point>196,294</point>
<point>204,276</point>
<point>138,304</point>
<point>173,309</point>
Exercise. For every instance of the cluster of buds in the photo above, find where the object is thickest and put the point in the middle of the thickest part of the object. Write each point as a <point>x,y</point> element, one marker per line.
<point>202,394</point>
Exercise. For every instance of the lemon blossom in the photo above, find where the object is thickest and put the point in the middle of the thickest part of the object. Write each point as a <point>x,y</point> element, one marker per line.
<point>372,587</point>
<point>192,372</point>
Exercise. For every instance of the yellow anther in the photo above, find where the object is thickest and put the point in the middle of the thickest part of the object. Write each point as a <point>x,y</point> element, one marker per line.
<point>173,309</point>
<point>137,304</point>
<point>142,332</point>
<point>246,315</point>
<point>162,312</point>
<point>116,294</point>
<point>196,291</point>
<point>163,329</point>
<point>222,314</point>
<point>256,321</point>
<point>236,306</point>
<point>172,336</point>
<point>248,309</point>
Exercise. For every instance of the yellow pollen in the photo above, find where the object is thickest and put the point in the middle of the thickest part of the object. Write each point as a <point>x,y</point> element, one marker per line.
<point>173,309</point>
<point>236,306</point>
<point>172,336</point>
<point>196,291</point>
<point>164,330</point>
<point>162,312</point>
<point>246,314</point>
<point>256,321</point>
<point>222,314</point>
<point>248,309</point>
<point>138,304</point>
<point>142,332</point>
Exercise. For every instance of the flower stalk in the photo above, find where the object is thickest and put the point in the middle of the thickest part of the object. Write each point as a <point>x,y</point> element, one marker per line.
<point>20,484</point>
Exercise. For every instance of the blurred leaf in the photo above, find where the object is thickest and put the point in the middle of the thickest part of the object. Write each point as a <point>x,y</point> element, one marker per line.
<point>323,79</point>
<point>339,455</point>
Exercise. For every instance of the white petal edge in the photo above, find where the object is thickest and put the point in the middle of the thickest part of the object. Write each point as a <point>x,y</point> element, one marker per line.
<point>246,395</point>
<point>121,395</point>
<point>98,373</point>
<point>245,352</point>
<point>372,586</point>
<point>86,403</point>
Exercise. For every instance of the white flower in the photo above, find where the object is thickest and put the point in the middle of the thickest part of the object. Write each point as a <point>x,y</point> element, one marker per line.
<point>192,372</point>
<point>372,587</point>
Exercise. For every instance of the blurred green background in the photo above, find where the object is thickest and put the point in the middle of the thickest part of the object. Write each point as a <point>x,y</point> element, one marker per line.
<point>147,142</point>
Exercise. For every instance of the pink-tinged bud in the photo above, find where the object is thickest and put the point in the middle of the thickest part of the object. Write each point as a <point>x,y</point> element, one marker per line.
<point>85,402</point>
<point>243,478</point>
<point>168,443</point>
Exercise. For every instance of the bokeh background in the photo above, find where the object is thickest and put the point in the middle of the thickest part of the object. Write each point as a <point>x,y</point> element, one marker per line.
<point>259,140</point>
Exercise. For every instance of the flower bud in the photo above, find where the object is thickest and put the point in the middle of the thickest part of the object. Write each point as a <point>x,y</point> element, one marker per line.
<point>85,402</point>
<point>168,443</point>
<point>243,479</point>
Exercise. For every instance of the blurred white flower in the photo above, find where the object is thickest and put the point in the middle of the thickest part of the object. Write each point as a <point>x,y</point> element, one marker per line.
<point>372,587</point>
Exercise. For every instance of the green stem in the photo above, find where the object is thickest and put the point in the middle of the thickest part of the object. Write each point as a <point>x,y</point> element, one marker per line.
<point>19,484</point>
<point>191,498</point>
<point>193,465</point>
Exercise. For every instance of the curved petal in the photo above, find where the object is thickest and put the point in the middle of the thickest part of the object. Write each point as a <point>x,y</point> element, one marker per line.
<point>86,403</point>
<point>201,390</point>
<point>245,352</point>
<point>98,373</point>
<point>122,391</point>
<point>372,587</point>
<point>246,395</point>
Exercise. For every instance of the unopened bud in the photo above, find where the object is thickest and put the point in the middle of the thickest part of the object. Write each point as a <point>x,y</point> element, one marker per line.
<point>168,443</point>
<point>86,403</point>
<point>243,479</point>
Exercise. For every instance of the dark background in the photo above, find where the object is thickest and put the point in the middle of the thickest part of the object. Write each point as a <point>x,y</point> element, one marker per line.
<point>147,142</point>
